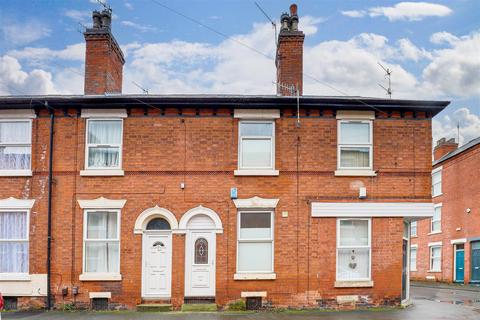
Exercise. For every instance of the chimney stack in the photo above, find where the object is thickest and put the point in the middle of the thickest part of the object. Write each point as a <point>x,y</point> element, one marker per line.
<point>103,58</point>
<point>289,59</point>
<point>444,147</point>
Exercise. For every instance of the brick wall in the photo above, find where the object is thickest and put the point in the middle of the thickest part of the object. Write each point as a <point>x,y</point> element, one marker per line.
<point>160,152</point>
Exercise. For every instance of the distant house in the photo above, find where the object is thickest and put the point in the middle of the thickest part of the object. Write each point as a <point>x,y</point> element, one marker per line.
<point>447,247</point>
<point>112,200</point>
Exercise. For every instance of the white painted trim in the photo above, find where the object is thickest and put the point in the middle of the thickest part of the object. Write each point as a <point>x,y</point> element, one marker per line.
<point>458,241</point>
<point>355,115</point>
<point>18,114</point>
<point>253,294</point>
<point>35,286</point>
<point>255,276</point>
<point>182,226</point>
<point>256,203</point>
<point>102,172</point>
<point>102,203</point>
<point>372,209</point>
<point>435,244</point>
<point>14,203</point>
<point>151,213</point>
<point>259,172</point>
<point>414,246</point>
<point>93,295</point>
<point>14,277</point>
<point>15,173</point>
<point>104,113</point>
<point>437,169</point>
<point>355,173</point>
<point>430,277</point>
<point>100,277</point>
<point>434,232</point>
<point>256,113</point>
<point>437,205</point>
<point>353,284</point>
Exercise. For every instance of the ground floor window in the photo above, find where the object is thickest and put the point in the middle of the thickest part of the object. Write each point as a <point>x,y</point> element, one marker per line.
<point>13,242</point>
<point>255,242</point>
<point>101,241</point>
<point>413,259</point>
<point>435,258</point>
<point>353,249</point>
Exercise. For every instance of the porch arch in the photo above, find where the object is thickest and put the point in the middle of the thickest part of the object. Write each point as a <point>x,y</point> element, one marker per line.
<point>151,213</point>
<point>197,211</point>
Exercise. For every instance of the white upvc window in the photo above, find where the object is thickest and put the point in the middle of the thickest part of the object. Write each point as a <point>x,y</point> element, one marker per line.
<point>256,145</point>
<point>255,242</point>
<point>437,182</point>
<point>413,229</point>
<point>355,145</point>
<point>436,222</point>
<point>104,139</point>
<point>15,146</point>
<point>14,243</point>
<point>413,259</point>
<point>354,249</point>
<point>435,258</point>
<point>101,241</point>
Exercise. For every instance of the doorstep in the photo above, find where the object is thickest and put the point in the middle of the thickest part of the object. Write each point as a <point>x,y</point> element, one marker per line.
<point>154,307</point>
<point>199,307</point>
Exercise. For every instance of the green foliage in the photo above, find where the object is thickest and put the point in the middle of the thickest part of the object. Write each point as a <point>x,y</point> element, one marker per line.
<point>238,305</point>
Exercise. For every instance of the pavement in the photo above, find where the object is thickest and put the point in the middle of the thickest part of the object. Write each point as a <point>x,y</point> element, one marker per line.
<point>440,303</point>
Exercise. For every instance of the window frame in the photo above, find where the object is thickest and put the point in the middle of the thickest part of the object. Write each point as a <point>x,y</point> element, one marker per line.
<point>18,275</point>
<point>439,220</point>
<point>20,172</point>
<point>241,138</point>
<point>414,228</point>
<point>85,240</point>
<point>349,145</point>
<point>89,145</point>
<point>252,240</point>
<point>413,249</point>
<point>437,171</point>
<point>369,278</point>
<point>431,258</point>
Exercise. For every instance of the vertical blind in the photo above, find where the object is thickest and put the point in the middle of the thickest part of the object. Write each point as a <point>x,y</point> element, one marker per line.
<point>13,242</point>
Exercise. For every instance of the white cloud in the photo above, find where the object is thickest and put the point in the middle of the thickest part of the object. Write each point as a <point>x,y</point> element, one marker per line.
<point>410,11</point>
<point>23,33</point>
<point>37,56</point>
<point>443,38</point>
<point>139,27</point>
<point>408,51</point>
<point>446,127</point>
<point>78,15</point>
<point>354,13</point>
<point>128,5</point>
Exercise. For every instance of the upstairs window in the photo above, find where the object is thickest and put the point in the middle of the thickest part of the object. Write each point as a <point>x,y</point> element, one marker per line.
<point>437,182</point>
<point>104,144</point>
<point>413,229</point>
<point>256,145</point>
<point>355,144</point>
<point>436,225</point>
<point>413,259</point>
<point>15,145</point>
<point>13,242</point>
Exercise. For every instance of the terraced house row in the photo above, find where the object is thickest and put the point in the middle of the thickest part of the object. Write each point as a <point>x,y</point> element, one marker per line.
<point>113,200</point>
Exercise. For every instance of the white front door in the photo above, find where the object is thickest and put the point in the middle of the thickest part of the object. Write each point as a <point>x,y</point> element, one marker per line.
<point>200,264</point>
<point>157,265</point>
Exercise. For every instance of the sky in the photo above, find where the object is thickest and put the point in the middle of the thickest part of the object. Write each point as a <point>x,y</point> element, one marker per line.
<point>432,48</point>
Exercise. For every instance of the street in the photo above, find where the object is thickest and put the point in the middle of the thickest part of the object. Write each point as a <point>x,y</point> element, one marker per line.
<point>429,303</point>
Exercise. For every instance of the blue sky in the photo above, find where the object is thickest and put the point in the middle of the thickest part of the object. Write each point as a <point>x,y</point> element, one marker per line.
<point>432,47</point>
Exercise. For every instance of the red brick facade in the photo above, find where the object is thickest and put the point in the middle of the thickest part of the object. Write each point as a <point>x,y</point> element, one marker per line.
<point>460,223</point>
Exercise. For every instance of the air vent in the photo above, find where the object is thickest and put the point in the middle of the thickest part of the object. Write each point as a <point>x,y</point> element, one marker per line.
<point>10,303</point>
<point>100,304</point>
<point>199,300</point>
<point>254,303</point>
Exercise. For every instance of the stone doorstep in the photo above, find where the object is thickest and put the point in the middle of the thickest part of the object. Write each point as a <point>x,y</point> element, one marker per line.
<point>154,307</point>
<point>199,307</point>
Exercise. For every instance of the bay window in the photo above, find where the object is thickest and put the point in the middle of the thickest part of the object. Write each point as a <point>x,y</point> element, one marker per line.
<point>101,242</point>
<point>104,144</point>
<point>353,249</point>
<point>14,242</point>
<point>15,146</point>
<point>355,145</point>
<point>255,242</point>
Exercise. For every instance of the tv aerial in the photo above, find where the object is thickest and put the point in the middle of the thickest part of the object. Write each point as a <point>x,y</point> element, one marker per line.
<point>274,24</point>
<point>388,75</point>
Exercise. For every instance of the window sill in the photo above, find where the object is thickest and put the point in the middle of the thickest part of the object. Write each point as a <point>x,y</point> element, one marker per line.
<point>434,271</point>
<point>102,172</point>
<point>354,284</point>
<point>15,173</point>
<point>434,232</point>
<point>437,195</point>
<point>14,277</point>
<point>414,236</point>
<point>100,277</point>
<point>255,276</point>
<point>413,270</point>
<point>355,173</point>
<point>263,172</point>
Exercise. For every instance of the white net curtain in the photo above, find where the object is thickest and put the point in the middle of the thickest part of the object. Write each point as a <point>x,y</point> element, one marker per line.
<point>13,242</point>
<point>104,142</point>
<point>15,149</point>
<point>101,243</point>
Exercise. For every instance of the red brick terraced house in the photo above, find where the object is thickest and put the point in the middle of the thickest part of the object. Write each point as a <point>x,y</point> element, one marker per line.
<point>447,247</point>
<point>112,200</point>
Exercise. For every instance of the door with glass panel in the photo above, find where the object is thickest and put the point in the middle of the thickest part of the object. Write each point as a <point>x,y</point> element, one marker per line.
<point>200,264</point>
<point>475,261</point>
<point>459,262</point>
